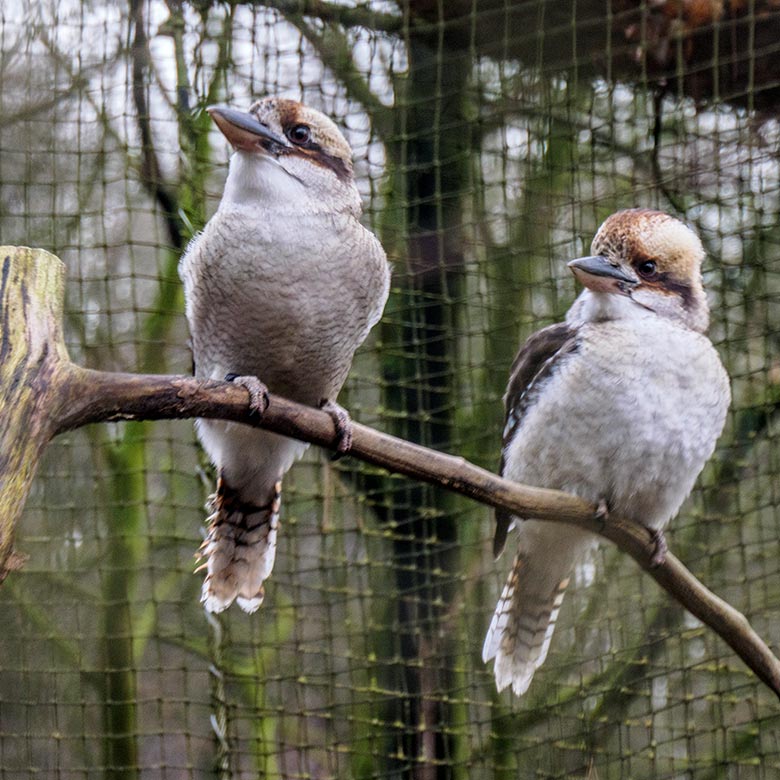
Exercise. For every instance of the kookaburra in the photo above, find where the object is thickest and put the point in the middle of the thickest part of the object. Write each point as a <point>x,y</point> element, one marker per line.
<point>621,405</point>
<point>282,286</point>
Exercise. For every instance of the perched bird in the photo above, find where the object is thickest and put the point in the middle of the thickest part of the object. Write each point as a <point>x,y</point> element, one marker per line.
<point>282,285</point>
<point>621,405</point>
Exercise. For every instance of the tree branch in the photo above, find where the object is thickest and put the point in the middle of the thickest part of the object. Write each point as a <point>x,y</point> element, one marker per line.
<point>347,16</point>
<point>43,394</point>
<point>335,53</point>
<point>151,172</point>
<point>100,397</point>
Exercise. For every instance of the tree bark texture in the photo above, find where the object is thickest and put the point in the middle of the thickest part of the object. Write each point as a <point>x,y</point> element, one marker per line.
<point>43,394</point>
<point>32,358</point>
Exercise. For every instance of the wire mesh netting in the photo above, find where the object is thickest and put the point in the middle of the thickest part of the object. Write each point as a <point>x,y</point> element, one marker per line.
<point>490,141</point>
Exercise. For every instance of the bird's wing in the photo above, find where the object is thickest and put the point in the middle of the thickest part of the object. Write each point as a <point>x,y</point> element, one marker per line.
<point>535,362</point>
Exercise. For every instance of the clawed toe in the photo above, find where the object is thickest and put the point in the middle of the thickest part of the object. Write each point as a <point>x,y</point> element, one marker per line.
<point>601,513</point>
<point>258,392</point>
<point>343,424</point>
<point>661,548</point>
<point>657,537</point>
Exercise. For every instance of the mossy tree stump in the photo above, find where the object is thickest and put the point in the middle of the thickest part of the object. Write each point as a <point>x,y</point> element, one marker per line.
<point>32,353</point>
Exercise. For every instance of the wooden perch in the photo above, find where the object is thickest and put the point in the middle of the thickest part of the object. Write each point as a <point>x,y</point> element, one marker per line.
<point>43,394</point>
<point>32,352</point>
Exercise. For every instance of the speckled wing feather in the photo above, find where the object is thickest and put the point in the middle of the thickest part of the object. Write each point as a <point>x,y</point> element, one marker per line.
<point>533,365</point>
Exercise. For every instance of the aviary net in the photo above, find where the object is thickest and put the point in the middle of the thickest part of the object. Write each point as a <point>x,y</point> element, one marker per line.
<point>490,140</point>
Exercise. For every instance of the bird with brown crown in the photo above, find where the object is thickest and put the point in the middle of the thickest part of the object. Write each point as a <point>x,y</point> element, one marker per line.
<point>621,405</point>
<point>282,285</point>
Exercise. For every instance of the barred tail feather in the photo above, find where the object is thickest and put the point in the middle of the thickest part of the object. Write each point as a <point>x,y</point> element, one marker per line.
<point>239,548</point>
<point>523,623</point>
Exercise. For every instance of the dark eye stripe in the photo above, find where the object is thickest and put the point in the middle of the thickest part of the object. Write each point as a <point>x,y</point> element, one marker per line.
<point>315,154</point>
<point>666,284</point>
<point>679,288</point>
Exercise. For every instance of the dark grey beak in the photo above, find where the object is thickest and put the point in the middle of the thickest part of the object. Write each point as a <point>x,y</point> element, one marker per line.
<point>597,273</point>
<point>243,130</point>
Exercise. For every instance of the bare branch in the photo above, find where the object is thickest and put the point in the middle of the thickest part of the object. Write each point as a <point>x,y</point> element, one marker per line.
<point>151,172</point>
<point>99,397</point>
<point>43,394</point>
<point>346,16</point>
<point>334,51</point>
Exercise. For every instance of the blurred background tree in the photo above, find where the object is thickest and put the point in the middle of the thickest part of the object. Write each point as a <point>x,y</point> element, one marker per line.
<point>491,138</point>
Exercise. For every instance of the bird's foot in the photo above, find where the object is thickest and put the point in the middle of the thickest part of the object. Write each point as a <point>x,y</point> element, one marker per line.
<point>258,392</point>
<point>343,424</point>
<point>601,515</point>
<point>661,548</point>
<point>656,535</point>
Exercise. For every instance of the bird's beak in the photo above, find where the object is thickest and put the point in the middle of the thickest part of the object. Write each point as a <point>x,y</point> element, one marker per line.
<point>244,132</point>
<point>597,273</point>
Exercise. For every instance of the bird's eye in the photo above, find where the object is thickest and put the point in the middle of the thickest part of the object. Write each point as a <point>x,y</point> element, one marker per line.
<point>299,134</point>
<point>647,269</point>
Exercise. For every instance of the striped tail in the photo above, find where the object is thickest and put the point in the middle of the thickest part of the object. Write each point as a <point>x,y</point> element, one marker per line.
<point>523,623</point>
<point>239,548</point>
